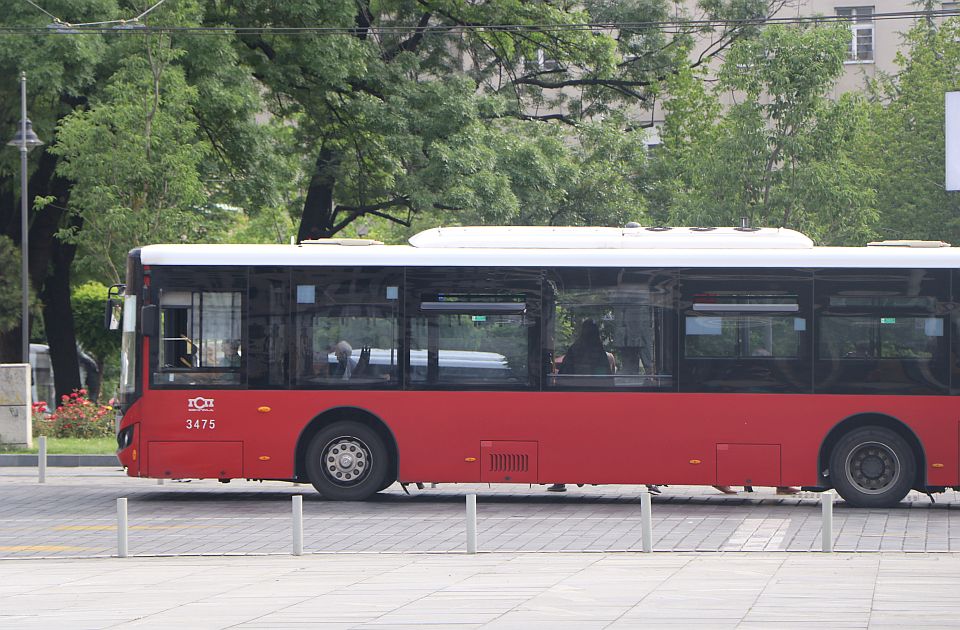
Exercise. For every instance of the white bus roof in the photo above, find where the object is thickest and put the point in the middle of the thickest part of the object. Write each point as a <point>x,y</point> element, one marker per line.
<point>570,247</point>
<point>543,237</point>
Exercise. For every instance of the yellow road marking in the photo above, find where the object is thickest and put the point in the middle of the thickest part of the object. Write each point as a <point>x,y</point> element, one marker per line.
<point>41,548</point>
<point>97,528</point>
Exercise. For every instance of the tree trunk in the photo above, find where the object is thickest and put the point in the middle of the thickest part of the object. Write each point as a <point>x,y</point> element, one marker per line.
<point>58,320</point>
<point>50,263</point>
<point>318,208</point>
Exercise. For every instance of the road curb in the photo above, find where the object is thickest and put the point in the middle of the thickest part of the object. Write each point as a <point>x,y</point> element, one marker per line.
<point>62,461</point>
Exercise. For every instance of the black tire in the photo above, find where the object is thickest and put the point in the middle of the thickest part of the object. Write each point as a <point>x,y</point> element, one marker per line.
<point>872,467</point>
<point>347,461</point>
<point>388,481</point>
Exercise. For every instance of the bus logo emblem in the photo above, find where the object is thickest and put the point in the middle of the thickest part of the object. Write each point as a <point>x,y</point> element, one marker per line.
<point>200,404</point>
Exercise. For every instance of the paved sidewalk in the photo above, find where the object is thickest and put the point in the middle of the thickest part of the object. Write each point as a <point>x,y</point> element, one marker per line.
<point>555,591</point>
<point>74,515</point>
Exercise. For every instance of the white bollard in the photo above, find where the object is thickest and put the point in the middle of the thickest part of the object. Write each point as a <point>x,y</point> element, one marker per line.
<point>471,523</point>
<point>122,547</point>
<point>646,521</point>
<point>298,525</point>
<point>42,460</point>
<point>826,531</point>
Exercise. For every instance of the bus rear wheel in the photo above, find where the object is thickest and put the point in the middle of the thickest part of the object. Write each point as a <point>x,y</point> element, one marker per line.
<point>872,467</point>
<point>347,461</point>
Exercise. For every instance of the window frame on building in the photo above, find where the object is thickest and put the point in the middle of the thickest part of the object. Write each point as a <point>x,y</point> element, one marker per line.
<point>861,21</point>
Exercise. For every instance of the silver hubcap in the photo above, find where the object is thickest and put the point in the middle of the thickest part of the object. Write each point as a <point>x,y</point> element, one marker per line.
<point>872,467</point>
<point>346,460</point>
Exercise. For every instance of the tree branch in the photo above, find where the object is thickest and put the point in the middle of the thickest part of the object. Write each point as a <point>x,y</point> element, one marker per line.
<point>358,211</point>
<point>410,44</point>
<point>545,117</point>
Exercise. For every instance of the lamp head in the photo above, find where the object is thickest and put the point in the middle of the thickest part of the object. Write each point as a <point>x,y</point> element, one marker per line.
<point>31,140</point>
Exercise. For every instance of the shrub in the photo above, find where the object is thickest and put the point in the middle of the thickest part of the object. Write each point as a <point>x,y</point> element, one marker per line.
<point>41,418</point>
<point>76,417</point>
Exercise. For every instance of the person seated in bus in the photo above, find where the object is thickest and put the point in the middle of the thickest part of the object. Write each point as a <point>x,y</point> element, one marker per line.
<point>587,356</point>
<point>343,351</point>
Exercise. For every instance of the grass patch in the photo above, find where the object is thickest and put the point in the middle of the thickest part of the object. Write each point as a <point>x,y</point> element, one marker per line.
<point>68,446</point>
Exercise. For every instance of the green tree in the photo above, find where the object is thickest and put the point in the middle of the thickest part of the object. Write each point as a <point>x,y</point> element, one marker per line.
<point>783,154</point>
<point>908,141</point>
<point>95,339</point>
<point>159,141</point>
<point>61,71</point>
<point>407,110</point>
<point>10,292</point>
<point>134,158</point>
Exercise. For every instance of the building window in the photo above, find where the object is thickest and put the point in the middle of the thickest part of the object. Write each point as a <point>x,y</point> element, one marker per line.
<point>860,49</point>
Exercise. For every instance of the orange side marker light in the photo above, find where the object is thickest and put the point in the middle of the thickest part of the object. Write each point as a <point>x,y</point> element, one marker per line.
<point>470,459</point>
<point>263,409</point>
<point>695,461</point>
<point>937,465</point>
<point>264,458</point>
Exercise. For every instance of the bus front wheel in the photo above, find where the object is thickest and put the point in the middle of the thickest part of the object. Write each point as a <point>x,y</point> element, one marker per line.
<point>872,467</point>
<point>347,461</point>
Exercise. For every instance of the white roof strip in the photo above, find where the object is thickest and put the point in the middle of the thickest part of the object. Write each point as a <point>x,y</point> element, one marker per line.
<point>539,237</point>
<point>402,255</point>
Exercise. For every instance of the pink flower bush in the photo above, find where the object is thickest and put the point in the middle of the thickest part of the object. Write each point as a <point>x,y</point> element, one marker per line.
<point>76,417</point>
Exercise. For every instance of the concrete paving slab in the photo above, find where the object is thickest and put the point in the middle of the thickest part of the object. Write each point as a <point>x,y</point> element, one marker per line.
<point>73,515</point>
<point>713,590</point>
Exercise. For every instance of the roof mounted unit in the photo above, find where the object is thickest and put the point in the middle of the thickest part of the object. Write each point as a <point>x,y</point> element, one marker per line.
<point>538,237</point>
<point>909,243</point>
<point>352,242</point>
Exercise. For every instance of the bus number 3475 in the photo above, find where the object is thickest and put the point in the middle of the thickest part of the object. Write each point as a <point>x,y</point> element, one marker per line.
<point>201,423</point>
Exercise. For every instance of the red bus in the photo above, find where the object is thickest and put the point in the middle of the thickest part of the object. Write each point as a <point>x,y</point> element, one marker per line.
<point>721,356</point>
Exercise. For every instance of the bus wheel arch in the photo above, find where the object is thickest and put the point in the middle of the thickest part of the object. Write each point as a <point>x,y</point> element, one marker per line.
<point>340,415</point>
<point>899,436</point>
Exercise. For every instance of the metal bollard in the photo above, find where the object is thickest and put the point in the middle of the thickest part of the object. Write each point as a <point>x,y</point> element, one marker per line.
<point>471,523</point>
<point>646,521</point>
<point>826,532</point>
<point>42,460</point>
<point>298,525</point>
<point>122,541</point>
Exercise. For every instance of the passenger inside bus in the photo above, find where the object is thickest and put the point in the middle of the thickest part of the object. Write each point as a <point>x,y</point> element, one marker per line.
<point>587,356</point>
<point>346,362</point>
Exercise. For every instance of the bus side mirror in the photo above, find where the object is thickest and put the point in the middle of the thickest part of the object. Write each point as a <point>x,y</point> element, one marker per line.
<point>150,320</point>
<point>111,318</point>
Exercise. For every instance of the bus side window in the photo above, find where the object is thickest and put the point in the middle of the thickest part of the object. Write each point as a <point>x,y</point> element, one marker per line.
<point>200,339</point>
<point>883,330</point>
<point>609,328</point>
<point>177,349</point>
<point>473,327</point>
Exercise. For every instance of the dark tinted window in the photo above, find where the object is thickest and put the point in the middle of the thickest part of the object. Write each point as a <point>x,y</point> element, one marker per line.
<point>346,323</point>
<point>201,341</point>
<point>473,328</point>
<point>745,330</point>
<point>268,358</point>
<point>609,328</point>
<point>882,331</point>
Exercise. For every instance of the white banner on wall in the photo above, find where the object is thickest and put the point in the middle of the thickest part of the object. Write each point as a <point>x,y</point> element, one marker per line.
<point>953,140</point>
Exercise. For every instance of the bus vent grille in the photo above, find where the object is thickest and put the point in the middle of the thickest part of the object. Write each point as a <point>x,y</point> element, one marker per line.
<point>509,462</point>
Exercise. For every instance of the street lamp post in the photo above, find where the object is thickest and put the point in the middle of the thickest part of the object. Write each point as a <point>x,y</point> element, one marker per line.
<point>26,139</point>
